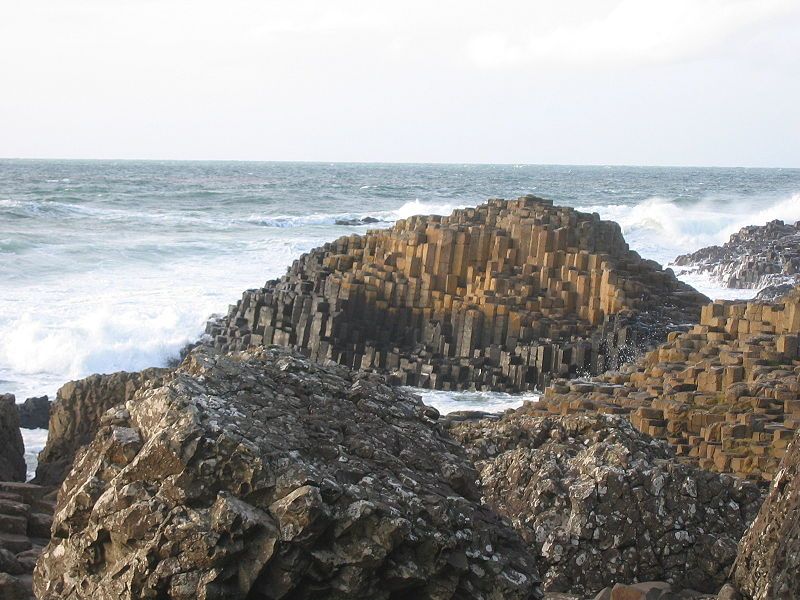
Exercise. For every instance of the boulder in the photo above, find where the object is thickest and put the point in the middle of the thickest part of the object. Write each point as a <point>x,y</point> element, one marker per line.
<point>601,503</point>
<point>768,564</point>
<point>75,417</point>
<point>261,475</point>
<point>34,413</point>
<point>12,449</point>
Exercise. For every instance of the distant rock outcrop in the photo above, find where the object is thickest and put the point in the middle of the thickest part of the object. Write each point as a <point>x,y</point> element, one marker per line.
<point>768,564</point>
<point>601,503</point>
<point>501,297</point>
<point>755,257</point>
<point>75,417</point>
<point>262,475</point>
<point>34,413</point>
<point>12,449</point>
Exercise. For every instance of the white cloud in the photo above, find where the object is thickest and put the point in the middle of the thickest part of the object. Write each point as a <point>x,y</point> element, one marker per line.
<point>630,32</point>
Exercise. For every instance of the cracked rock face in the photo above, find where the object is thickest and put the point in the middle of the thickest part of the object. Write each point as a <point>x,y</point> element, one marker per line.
<point>601,503</point>
<point>768,564</point>
<point>259,475</point>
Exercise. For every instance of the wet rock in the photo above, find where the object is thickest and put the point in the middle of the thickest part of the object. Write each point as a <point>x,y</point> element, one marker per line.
<point>261,475</point>
<point>503,296</point>
<point>768,564</point>
<point>12,449</point>
<point>75,417</point>
<point>357,222</point>
<point>600,503</point>
<point>755,257</point>
<point>34,413</point>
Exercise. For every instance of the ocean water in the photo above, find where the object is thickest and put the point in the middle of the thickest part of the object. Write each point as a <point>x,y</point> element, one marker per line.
<point>108,266</point>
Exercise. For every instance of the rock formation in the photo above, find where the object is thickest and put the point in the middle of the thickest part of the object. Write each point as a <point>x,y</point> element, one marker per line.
<point>25,518</point>
<point>600,503</point>
<point>34,413</point>
<point>262,475</point>
<point>768,564</point>
<point>755,257</point>
<point>75,417</point>
<point>12,450</point>
<point>726,393</point>
<point>498,297</point>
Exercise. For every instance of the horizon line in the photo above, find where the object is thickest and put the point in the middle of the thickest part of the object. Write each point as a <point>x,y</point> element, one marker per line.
<point>408,163</point>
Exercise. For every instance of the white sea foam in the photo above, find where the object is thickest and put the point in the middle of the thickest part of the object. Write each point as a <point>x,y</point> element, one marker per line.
<point>447,402</point>
<point>34,440</point>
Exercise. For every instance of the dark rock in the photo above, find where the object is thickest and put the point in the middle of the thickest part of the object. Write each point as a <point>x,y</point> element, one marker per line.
<point>260,475</point>
<point>755,257</point>
<point>768,564</point>
<point>357,222</point>
<point>12,449</point>
<point>601,503</point>
<point>12,588</point>
<point>75,417</point>
<point>34,413</point>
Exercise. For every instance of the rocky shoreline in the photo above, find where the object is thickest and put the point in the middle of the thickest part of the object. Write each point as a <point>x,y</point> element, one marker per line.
<point>301,470</point>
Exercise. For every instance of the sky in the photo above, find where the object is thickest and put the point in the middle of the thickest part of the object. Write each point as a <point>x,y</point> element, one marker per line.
<point>638,82</point>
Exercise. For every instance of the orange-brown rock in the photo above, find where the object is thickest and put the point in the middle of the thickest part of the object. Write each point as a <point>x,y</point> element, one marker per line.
<point>725,394</point>
<point>501,296</point>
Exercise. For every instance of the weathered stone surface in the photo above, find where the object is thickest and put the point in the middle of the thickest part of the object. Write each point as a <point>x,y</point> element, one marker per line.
<point>25,514</point>
<point>725,394</point>
<point>34,413</point>
<point>262,475</point>
<point>12,449</point>
<point>768,564</point>
<point>502,297</point>
<point>75,417</point>
<point>755,257</point>
<point>601,503</point>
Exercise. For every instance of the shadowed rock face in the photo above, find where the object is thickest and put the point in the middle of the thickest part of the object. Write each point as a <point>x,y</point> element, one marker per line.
<point>501,296</point>
<point>34,413</point>
<point>259,475</point>
<point>75,417</point>
<point>601,503</point>
<point>768,564</point>
<point>12,449</point>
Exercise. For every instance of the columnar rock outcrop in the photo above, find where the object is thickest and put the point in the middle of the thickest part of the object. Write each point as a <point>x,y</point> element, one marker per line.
<point>768,564</point>
<point>262,475</point>
<point>601,503</point>
<point>12,450</point>
<point>25,518</point>
<point>755,257</point>
<point>726,393</point>
<point>500,297</point>
<point>75,417</point>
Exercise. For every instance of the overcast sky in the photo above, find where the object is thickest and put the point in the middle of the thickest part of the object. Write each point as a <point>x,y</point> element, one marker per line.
<point>673,82</point>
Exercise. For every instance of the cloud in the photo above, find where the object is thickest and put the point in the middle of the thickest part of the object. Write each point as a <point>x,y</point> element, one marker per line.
<point>630,32</point>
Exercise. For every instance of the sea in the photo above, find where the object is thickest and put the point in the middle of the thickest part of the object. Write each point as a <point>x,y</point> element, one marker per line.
<point>116,265</point>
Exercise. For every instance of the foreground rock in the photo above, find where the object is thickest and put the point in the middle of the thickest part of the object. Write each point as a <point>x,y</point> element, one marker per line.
<point>502,297</point>
<point>75,417</point>
<point>34,413</point>
<point>12,449</point>
<point>755,257</point>
<point>725,394</point>
<point>768,564</point>
<point>260,475</point>
<point>25,518</point>
<point>601,504</point>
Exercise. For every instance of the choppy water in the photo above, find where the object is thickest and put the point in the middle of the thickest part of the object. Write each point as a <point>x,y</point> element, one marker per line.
<point>116,265</point>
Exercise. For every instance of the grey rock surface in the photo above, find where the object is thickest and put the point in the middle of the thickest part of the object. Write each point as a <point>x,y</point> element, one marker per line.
<point>34,413</point>
<point>12,449</point>
<point>768,564</point>
<point>260,475</point>
<point>601,503</point>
